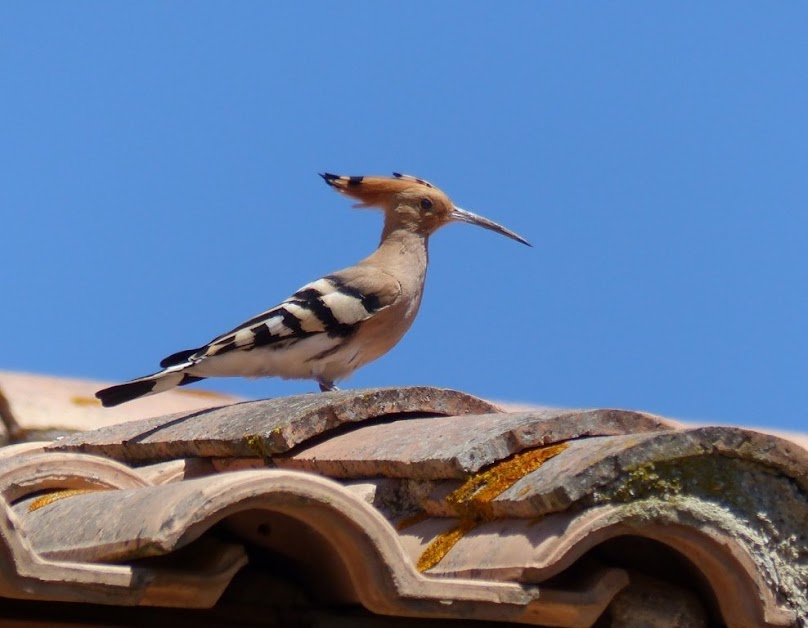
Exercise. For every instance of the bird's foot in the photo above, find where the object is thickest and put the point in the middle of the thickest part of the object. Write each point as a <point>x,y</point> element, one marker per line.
<point>326,386</point>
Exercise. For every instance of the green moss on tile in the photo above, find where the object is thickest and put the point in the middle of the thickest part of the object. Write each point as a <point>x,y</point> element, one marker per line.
<point>763,509</point>
<point>714,478</point>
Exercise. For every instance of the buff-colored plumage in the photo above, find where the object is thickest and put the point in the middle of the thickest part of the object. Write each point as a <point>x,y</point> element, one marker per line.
<point>332,326</point>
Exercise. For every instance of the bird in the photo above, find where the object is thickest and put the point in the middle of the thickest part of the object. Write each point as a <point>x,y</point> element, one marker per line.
<point>340,322</point>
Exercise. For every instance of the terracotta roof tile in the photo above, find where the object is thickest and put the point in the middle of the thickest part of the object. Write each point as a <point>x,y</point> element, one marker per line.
<point>418,502</point>
<point>264,428</point>
<point>43,404</point>
<point>443,447</point>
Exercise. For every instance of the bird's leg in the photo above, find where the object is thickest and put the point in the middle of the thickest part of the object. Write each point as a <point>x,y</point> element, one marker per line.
<point>326,386</point>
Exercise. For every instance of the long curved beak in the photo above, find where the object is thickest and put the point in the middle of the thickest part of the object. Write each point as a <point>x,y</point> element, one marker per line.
<point>461,215</point>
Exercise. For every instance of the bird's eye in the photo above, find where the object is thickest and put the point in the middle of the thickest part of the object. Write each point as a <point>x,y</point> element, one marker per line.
<point>426,204</point>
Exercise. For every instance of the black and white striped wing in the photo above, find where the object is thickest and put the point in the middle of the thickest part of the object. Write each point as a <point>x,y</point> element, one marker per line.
<point>333,305</point>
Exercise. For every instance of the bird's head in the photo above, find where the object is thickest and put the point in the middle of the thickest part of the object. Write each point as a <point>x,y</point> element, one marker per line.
<point>410,201</point>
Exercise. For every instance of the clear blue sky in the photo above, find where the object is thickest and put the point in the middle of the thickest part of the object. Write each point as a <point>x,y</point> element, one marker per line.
<point>159,185</point>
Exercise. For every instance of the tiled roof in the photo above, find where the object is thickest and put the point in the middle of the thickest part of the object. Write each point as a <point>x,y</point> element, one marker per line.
<point>416,502</point>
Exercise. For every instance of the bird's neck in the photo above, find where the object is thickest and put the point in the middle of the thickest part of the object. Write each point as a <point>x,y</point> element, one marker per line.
<point>402,250</point>
<point>402,223</point>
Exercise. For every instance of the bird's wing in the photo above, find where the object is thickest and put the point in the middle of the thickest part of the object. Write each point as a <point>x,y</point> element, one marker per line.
<point>333,305</point>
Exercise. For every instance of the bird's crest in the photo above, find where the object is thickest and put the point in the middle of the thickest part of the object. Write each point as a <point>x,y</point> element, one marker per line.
<point>373,191</point>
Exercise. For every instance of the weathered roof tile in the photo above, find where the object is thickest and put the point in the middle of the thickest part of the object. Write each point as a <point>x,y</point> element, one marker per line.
<point>446,447</point>
<point>264,428</point>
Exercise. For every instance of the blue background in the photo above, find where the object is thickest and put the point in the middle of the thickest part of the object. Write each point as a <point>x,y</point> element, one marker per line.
<point>159,186</point>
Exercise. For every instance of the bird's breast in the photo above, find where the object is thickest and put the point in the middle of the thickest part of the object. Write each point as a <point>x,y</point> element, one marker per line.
<point>378,335</point>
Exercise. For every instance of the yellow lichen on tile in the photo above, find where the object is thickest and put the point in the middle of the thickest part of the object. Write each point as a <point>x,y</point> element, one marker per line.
<point>85,401</point>
<point>472,499</point>
<point>41,502</point>
<point>258,445</point>
<point>441,545</point>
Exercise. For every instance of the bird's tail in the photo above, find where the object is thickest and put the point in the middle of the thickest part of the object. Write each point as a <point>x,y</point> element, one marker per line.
<point>143,386</point>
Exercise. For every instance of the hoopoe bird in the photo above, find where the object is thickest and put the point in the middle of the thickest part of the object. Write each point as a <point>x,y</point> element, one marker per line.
<point>332,326</point>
